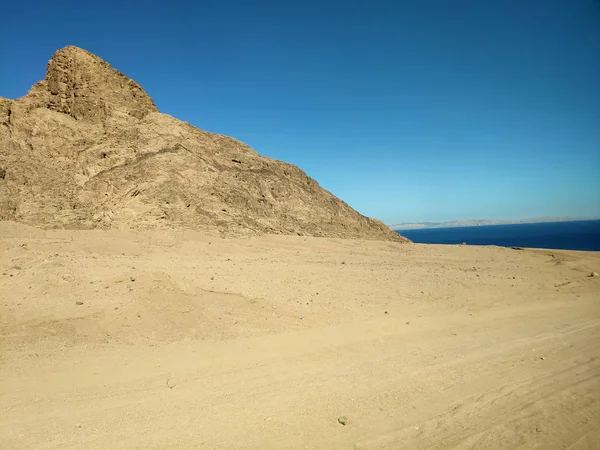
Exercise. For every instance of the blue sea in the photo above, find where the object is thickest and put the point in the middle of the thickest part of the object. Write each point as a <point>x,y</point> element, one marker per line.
<point>580,235</point>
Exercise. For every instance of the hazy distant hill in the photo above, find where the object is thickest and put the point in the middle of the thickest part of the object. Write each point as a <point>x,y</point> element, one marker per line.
<point>475,222</point>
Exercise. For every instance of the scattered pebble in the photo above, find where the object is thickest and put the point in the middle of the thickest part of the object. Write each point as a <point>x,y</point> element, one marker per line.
<point>385,312</point>
<point>594,274</point>
<point>132,278</point>
<point>538,430</point>
<point>79,303</point>
<point>77,425</point>
<point>212,278</point>
<point>542,358</point>
<point>342,420</point>
<point>408,322</point>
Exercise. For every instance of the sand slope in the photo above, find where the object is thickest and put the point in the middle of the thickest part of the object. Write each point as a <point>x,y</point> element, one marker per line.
<point>187,341</point>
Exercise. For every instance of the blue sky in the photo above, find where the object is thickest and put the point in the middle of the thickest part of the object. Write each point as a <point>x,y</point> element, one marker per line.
<point>417,110</point>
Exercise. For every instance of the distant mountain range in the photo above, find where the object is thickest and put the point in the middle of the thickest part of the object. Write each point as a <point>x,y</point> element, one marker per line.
<point>476,223</point>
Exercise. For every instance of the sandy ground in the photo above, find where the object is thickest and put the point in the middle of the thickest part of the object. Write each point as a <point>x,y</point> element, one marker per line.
<point>187,341</point>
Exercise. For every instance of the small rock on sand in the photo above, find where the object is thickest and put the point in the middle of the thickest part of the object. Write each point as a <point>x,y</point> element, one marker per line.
<point>594,274</point>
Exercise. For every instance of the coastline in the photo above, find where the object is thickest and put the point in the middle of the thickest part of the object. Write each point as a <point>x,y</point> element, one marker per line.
<point>483,223</point>
<point>565,235</point>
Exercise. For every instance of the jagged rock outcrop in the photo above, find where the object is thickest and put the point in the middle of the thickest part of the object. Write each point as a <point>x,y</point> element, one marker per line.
<point>87,148</point>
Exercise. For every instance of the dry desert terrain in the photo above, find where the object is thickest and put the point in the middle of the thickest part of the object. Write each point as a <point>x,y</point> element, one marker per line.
<point>185,340</point>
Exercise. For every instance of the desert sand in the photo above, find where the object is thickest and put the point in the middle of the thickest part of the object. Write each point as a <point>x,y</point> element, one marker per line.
<point>184,340</point>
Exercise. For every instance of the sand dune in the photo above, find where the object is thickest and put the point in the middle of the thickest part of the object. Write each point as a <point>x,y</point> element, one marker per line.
<point>184,340</point>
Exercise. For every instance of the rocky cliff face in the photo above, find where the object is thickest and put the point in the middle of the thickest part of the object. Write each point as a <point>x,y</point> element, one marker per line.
<point>87,148</point>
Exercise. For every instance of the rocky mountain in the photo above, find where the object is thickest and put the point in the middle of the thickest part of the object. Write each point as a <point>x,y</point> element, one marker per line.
<point>88,148</point>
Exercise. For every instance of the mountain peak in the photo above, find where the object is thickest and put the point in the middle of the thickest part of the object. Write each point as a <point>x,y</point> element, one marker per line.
<point>84,86</point>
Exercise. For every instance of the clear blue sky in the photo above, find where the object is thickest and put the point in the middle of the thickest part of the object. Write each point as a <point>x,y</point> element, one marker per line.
<point>417,110</point>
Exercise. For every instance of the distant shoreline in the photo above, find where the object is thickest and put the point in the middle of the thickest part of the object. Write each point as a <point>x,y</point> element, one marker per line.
<point>578,235</point>
<point>479,223</point>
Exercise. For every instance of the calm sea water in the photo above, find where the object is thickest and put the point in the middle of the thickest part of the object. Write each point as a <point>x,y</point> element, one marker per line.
<point>581,235</point>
